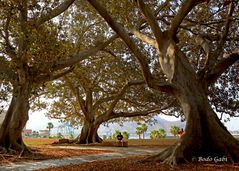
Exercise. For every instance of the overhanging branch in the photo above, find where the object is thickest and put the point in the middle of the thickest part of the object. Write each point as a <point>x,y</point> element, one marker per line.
<point>222,66</point>
<point>140,113</point>
<point>83,54</point>
<point>123,34</point>
<point>145,38</point>
<point>151,19</point>
<point>121,93</point>
<point>75,91</point>
<point>52,76</point>
<point>186,7</point>
<point>212,58</point>
<point>55,12</point>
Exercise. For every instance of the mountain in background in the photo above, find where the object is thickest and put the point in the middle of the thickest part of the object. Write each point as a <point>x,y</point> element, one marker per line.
<point>130,127</point>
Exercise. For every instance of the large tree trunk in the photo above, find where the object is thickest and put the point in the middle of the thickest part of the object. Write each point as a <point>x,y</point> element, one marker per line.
<point>89,133</point>
<point>14,122</point>
<point>205,138</point>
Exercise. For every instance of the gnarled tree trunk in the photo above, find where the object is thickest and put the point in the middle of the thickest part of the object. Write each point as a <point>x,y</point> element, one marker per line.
<point>89,133</point>
<point>206,138</point>
<point>15,120</point>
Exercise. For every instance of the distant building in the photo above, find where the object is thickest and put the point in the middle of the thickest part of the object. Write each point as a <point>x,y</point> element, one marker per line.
<point>44,133</point>
<point>27,132</point>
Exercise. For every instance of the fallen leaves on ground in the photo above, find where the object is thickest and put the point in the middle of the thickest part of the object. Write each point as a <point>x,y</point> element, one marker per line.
<point>42,153</point>
<point>136,164</point>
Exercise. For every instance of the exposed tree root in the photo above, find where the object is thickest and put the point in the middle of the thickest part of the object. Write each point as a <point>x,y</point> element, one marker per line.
<point>187,152</point>
<point>11,151</point>
<point>3,150</point>
<point>25,151</point>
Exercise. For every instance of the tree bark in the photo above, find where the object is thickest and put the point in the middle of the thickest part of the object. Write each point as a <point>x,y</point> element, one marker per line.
<point>89,134</point>
<point>205,136</point>
<point>15,120</point>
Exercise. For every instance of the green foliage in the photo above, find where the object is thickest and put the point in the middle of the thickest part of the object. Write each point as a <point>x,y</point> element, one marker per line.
<point>35,134</point>
<point>154,134</point>
<point>174,130</point>
<point>115,134</point>
<point>162,133</point>
<point>104,137</point>
<point>125,135</point>
<point>144,127</point>
<point>71,136</point>
<point>157,134</point>
<point>59,135</point>
<point>141,129</point>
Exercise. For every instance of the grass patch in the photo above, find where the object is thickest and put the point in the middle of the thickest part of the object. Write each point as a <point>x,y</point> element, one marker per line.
<point>39,141</point>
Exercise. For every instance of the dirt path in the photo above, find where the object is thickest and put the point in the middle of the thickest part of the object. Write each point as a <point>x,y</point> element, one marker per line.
<point>118,152</point>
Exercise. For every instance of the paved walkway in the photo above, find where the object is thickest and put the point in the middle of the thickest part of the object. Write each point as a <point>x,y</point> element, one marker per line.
<point>118,153</point>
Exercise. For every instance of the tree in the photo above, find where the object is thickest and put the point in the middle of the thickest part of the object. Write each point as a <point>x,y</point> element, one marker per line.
<point>35,134</point>
<point>144,128</point>
<point>34,49</point>
<point>104,137</point>
<point>162,133</point>
<point>71,136</point>
<point>191,71</point>
<point>174,130</point>
<point>96,95</point>
<point>139,131</point>
<point>157,134</point>
<point>154,134</point>
<point>49,127</point>
<point>125,135</point>
<point>59,135</point>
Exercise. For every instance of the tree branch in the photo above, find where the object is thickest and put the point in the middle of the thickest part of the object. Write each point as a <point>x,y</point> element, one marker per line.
<point>83,54</point>
<point>133,114</point>
<point>186,7</point>
<point>121,93</point>
<point>145,38</point>
<point>212,58</point>
<point>151,19</point>
<point>75,91</point>
<point>122,32</point>
<point>222,66</point>
<point>55,12</point>
<point>89,101</point>
<point>227,24</point>
<point>52,76</point>
<point>11,51</point>
<point>139,113</point>
<point>5,71</point>
<point>102,100</point>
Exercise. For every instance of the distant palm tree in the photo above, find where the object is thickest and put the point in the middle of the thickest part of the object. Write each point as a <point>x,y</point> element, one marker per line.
<point>157,134</point>
<point>139,131</point>
<point>125,135</point>
<point>144,128</point>
<point>49,126</point>
<point>162,133</point>
<point>154,134</point>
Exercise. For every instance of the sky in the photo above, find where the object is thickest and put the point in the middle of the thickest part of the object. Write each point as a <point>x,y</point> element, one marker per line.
<point>38,121</point>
